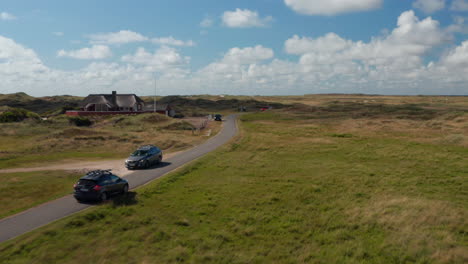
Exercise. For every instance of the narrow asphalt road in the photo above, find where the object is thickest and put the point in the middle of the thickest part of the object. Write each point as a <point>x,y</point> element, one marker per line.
<point>41,215</point>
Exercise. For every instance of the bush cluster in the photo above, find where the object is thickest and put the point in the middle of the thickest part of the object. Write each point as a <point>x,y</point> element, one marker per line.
<point>17,115</point>
<point>80,121</point>
<point>180,126</point>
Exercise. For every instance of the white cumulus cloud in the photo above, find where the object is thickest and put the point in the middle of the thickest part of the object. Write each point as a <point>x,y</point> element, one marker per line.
<point>394,62</point>
<point>120,37</point>
<point>459,25</point>
<point>95,52</point>
<point>6,16</point>
<point>248,55</point>
<point>162,59</point>
<point>172,41</point>
<point>386,60</point>
<point>429,6</point>
<point>458,57</point>
<point>244,18</point>
<point>331,7</point>
<point>16,58</point>
<point>331,42</point>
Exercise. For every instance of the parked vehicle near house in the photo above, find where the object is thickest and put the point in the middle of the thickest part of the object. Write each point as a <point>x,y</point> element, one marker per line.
<point>99,185</point>
<point>144,157</point>
<point>218,117</point>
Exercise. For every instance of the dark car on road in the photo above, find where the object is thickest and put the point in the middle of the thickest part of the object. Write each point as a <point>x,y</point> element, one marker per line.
<point>144,157</point>
<point>218,117</point>
<point>99,185</point>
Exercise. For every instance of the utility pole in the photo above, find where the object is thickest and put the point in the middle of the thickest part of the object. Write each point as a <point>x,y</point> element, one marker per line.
<point>154,105</point>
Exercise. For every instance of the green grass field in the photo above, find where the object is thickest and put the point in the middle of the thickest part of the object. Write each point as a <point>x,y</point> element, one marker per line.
<point>24,190</point>
<point>296,187</point>
<point>32,143</point>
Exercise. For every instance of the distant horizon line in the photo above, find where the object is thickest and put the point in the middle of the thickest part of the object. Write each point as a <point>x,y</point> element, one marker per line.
<point>257,95</point>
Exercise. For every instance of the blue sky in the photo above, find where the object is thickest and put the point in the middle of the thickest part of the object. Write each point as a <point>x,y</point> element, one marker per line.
<point>251,47</point>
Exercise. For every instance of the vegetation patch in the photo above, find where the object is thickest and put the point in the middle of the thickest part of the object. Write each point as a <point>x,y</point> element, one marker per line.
<point>182,125</point>
<point>10,114</point>
<point>154,118</point>
<point>80,121</point>
<point>337,109</point>
<point>199,106</point>
<point>345,135</point>
<point>22,190</point>
<point>286,192</point>
<point>31,143</point>
<point>49,105</point>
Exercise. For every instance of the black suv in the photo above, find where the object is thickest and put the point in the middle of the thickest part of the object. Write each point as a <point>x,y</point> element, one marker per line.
<point>144,157</point>
<point>99,185</point>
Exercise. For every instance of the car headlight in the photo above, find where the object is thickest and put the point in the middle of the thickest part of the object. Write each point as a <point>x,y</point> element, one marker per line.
<point>141,161</point>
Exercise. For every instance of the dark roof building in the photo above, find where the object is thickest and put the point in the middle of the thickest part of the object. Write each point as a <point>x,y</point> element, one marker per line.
<point>112,102</point>
<point>115,104</point>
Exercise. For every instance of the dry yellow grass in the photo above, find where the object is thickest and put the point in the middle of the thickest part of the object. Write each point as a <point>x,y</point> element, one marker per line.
<point>320,99</point>
<point>438,131</point>
<point>346,182</point>
<point>417,224</point>
<point>28,144</point>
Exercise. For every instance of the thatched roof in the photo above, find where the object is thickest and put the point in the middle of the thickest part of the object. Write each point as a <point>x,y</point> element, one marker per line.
<point>121,100</point>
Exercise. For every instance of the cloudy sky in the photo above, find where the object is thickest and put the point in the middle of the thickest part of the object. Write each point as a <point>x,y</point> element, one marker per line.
<point>251,47</point>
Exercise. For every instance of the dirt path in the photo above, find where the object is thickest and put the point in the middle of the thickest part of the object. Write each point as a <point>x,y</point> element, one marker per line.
<point>117,166</point>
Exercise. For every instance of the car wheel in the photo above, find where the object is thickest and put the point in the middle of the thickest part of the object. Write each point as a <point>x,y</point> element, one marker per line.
<point>125,189</point>
<point>159,159</point>
<point>103,197</point>
<point>147,164</point>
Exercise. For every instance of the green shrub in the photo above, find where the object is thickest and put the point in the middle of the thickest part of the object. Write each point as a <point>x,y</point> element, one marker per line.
<point>66,108</point>
<point>184,125</point>
<point>80,121</point>
<point>17,115</point>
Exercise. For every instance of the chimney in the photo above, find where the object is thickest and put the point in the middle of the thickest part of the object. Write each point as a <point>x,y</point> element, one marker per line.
<point>114,98</point>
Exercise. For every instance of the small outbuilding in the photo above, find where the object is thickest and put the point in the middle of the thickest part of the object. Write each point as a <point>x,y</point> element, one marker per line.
<point>164,109</point>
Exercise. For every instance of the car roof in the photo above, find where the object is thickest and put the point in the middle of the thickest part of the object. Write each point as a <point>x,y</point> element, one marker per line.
<point>147,147</point>
<point>94,175</point>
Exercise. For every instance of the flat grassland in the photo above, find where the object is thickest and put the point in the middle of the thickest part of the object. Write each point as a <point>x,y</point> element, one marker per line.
<point>23,190</point>
<point>333,182</point>
<point>34,144</point>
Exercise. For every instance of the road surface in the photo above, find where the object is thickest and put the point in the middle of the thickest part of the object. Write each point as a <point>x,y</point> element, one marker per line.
<point>44,214</point>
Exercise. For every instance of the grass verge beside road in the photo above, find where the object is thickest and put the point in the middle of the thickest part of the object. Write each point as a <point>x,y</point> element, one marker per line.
<point>293,189</point>
<point>23,190</point>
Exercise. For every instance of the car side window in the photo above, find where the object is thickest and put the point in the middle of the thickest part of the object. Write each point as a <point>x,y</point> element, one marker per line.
<point>106,179</point>
<point>114,178</point>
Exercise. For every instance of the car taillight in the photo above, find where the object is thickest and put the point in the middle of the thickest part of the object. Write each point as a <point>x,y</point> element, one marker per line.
<point>74,185</point>
<point>97,188</point>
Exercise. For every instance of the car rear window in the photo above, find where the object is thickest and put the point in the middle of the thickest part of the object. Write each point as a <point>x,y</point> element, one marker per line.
<point>86,182</point>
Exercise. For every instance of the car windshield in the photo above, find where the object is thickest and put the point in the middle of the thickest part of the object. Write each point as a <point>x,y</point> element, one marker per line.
<point>139,153</point>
